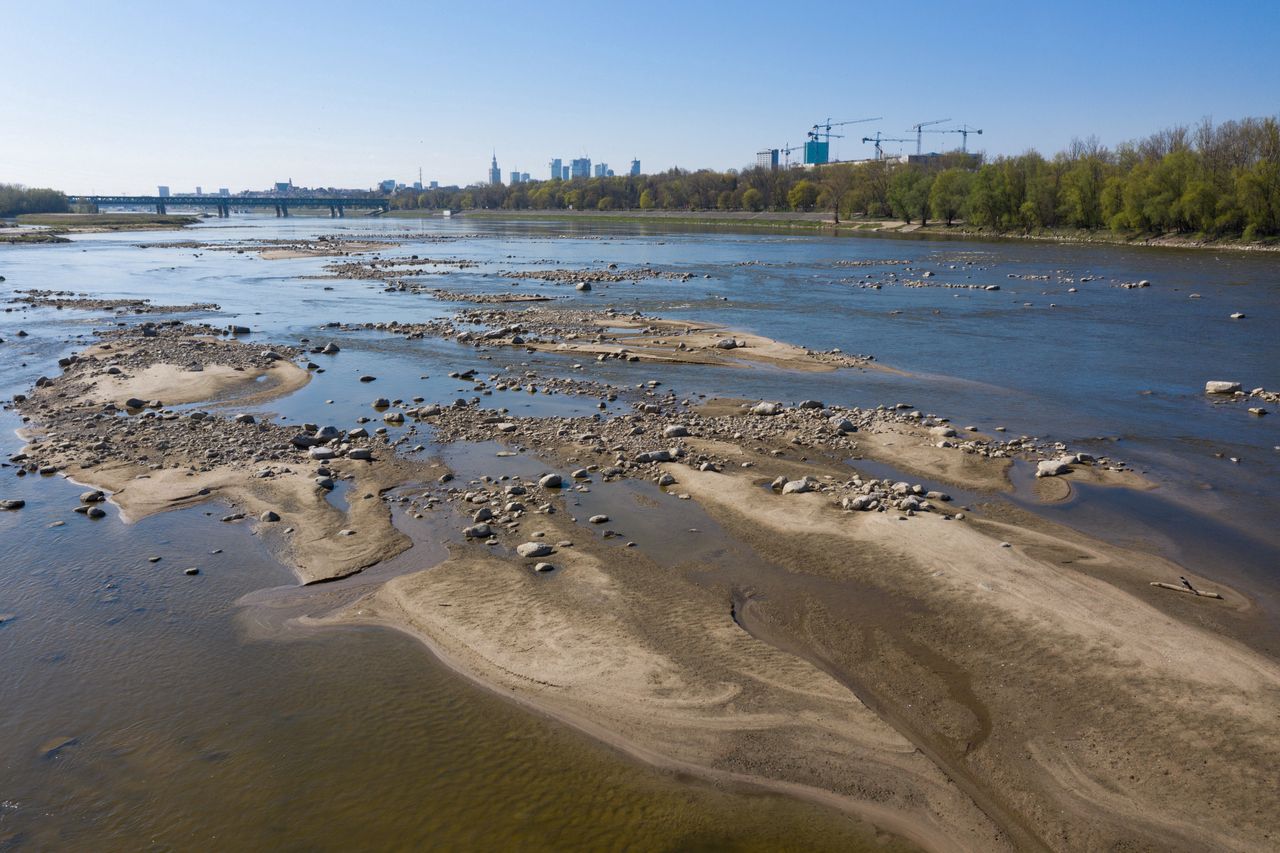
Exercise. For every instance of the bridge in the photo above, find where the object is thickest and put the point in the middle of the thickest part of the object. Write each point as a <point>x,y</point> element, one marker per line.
<point>337,206</point>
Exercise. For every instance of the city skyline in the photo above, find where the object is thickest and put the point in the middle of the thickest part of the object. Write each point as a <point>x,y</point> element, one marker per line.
<point>136,109</point>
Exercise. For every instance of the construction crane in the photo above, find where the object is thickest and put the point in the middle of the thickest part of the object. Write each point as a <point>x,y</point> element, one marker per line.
<point>877,139</point>
<point>821,132</point>
<point>786,154</point>
<point>964,131</point>
<point>917,129</point>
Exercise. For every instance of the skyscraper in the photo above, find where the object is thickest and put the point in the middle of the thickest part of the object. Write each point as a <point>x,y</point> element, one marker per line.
<point>601,170</point>
<point>767,159</point>
<point>555,169</point>
<point>564,173</point>
<point>635,168</point>
<point>580,167</point>
<point>495,174</point>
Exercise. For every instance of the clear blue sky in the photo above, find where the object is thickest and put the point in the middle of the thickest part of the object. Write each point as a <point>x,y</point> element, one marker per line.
<point>111,97</point>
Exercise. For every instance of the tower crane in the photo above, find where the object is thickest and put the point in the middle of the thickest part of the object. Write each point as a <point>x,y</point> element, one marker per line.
<point>919,132</point>
<point>877,139</point>
<point>786,154</point>
<point>964,131</point>
<point>821,131</point>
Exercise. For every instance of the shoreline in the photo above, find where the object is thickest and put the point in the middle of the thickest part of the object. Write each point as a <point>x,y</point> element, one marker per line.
<point>855,227</point>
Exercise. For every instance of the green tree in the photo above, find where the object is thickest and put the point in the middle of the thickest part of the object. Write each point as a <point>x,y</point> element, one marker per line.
<point>949,193</point>
<point>646,200</point>
<point>803,196</point>
<point>909,194</point>
<point>753,199</point>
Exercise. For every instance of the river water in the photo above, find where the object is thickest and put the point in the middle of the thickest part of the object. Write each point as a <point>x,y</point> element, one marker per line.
<point>144,707</point>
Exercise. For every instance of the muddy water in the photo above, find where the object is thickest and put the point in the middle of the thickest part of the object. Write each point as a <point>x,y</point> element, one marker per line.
<point>143,706</point>
<point>146,707</point>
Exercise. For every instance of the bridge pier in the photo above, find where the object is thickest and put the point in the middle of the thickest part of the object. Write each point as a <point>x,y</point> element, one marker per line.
<point>333,212</point>
<point>284,210</point>
<point>340,212</point>
<point>160,209</point>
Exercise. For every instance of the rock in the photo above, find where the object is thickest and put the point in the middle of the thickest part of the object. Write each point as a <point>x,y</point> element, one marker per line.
<point>1239,315</point>
<point>360,454</point>
<point>727,343</point>
<point>330,348</point>
<point>325,483</point>
<point>239,330</point>
<point>478,531</point>
<point>506,427</point>
<point>1053,467</point>
<point>550,481</point>
<point>135,403</point>
<point>583,286</point>
<point>811,404</point>
<point>303,440</point>
<point>795,487</point>
<point>322,453</point>
<point>843,425</point>
<point>244,419</point>
<point>12,503</point>
<point>581,474</point>
<point>655,456</point>
<point>544,567</point>
<point>1221,387</point>
<point>675,431</point>
<point>191,571</point>
<point>860,503</point>
<point>598,519</point>
<point>482,514</point>
<point>381,403</point>
<point>368,378</point>
<point>528,550</point>
<point>766,409</point>
<point>96,512</point>
<point>269,516</point>
<point>271,355</point>
<point>943,431</point>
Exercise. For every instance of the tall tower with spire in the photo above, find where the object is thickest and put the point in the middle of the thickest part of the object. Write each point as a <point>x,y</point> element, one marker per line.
<point>495,174</point>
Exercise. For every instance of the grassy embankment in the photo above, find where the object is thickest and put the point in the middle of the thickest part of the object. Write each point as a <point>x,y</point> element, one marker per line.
<point>862,225</point>
<point>62,223</point>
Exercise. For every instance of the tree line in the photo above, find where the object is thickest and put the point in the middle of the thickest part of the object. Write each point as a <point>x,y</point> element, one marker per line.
<point>1217,180</point>
<point>16,199</point>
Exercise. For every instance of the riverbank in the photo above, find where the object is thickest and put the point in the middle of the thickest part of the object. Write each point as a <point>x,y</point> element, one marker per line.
<point>822,221</point>
<point>95,223</point>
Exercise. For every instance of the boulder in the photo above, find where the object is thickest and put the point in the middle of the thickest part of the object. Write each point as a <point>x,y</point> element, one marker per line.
<point>1053,467</point>
<point>766,409</point>
<point>529,550</point>
<point>550,481</point>
<point>1221,387</point>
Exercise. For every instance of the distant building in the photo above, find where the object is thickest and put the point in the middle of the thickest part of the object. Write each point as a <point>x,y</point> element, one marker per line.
<point>515,178</point>
<point>434,185</point>
<point>162,191</point>
<point>389,185</point>
<point>495,174</point>
<point>767,159</point>
<point>199,190</point>
<point>224,191</point>
<point>635,168</point>
<point>564,173</point>
<point>417,185</point>
<point>555,169</point>
<point>580,168</point>
<point>524,177</point>
<point>288,185</point>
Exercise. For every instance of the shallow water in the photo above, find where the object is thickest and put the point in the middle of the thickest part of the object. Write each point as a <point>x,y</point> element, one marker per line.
<point>198,714</point>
